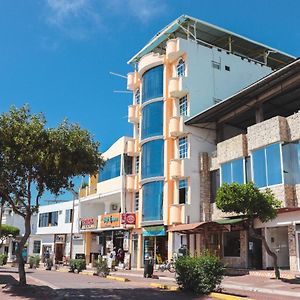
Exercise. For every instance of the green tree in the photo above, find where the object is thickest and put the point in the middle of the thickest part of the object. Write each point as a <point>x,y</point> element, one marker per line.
<point>8,231</point>
<point>248,200</point>
<point>35,158</point>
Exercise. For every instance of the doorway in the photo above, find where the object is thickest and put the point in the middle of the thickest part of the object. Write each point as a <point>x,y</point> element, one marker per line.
<point>59,253</point>
<point>255,252</point>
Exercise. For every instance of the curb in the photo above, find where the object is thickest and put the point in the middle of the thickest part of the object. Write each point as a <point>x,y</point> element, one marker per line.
<point>122,279</point>
<point>164,286</point>
<point>62,270</point>
<point>226,297</point>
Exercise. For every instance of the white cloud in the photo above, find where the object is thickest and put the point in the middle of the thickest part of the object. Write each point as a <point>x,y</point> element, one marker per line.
<point>81,18</point>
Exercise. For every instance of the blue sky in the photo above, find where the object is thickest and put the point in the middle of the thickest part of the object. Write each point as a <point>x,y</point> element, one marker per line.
<point>57,55</point>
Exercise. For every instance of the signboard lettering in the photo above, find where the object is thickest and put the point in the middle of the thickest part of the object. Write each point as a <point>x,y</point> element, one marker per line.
<point>88,223</point>
<point>110,220</point>
<point>128,218</point>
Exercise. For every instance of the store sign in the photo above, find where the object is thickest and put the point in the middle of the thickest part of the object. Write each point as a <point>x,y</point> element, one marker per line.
<point>60,238</point>
<point>128,219</point>
<point>154,231</point>
<point>88,223</point>
<point>77,236</point>
<point>110,220</point>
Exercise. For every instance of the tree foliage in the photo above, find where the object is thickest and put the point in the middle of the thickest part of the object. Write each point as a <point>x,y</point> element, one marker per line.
<point>35,158</point>
<point>248,200</point>
<point>7,231</point>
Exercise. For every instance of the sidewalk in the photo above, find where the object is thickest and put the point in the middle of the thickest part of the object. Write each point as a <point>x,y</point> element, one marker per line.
<point>234,284</point>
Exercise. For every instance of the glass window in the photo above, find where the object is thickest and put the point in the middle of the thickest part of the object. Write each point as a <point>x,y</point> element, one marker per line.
<point>180,68</point>
<point>53,218</point>
<point>127,164</point>
<point>137,96</point>
<point>43,219</point>
<point>68,215</point>
<point>152,120</point>
<point>291,163</point>
<point>183,147</point>
<point>183,106</point>
<point>259,167</point>
<point>152,84</point>
<point>136,201</point>
<point>111,168</point>
<point>183,191</point>
<point>153,201</point>
<point>137,165</point>
<point>248,169</point>
<point>214,184</point>
<point>273,158</point>
<point>233,171</point>
<point>36,247</point>
<point>232,244</point>
<point>267,166</point>
<point>153,159</point>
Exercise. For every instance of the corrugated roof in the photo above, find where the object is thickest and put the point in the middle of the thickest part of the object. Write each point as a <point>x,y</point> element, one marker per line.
<point>215,36</point>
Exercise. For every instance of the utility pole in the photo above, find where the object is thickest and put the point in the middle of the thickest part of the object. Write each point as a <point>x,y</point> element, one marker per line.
<point>75,196</point>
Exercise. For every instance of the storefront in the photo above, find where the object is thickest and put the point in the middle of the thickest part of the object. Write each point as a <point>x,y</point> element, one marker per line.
<point>155,243</point>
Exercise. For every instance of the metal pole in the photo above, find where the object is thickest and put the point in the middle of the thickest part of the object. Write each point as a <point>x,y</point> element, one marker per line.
<point>72,226</point>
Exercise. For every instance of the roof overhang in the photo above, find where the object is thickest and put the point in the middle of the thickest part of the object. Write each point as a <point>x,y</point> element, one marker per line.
<point>211,35</point>
<point>199,227</point>
<point>281,82</point>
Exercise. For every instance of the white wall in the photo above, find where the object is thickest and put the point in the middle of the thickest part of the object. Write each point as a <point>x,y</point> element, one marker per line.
<point>205,83</point>
<point>62,227</point>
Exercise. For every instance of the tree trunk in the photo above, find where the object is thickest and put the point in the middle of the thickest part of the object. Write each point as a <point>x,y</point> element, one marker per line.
<point>269,251</point>
<point>21,263</point>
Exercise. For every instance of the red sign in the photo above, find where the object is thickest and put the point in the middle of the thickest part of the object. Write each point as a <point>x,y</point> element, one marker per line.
<point>88,223</point>
<point>128,218</point>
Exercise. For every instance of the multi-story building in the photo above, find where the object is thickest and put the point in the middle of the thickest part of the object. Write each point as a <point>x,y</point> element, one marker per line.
<point>258,139</point>
<point>108,203</point>
<point>57,231</point>
<point>9,245</point>
<point>186,68</point>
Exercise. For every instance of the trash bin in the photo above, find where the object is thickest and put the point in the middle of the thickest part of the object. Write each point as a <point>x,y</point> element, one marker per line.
<point>148,267</point>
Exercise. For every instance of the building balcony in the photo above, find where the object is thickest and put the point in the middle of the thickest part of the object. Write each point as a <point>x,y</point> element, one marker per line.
<point>176,127</point>
<point>176,168</point>
<point>131,183</point>
<point>132,147</point>
<point>177,214</point>
<point>133,114</point>
<point>132,81</point>
<point>176,88</point>
<point>149,61</point>
<point>172,50</point>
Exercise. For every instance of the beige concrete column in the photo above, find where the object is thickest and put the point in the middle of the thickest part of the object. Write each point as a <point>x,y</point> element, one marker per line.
<point>170,245</point>
<point>87,246</point>
<point>192,245</point>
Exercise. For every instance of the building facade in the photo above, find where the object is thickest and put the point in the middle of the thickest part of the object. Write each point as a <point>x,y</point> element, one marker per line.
<point>258,138</point>
<point>57,232</point>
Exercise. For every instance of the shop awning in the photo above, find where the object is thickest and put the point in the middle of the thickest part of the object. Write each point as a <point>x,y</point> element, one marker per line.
<point>230,221</point>
<point>199,227</point>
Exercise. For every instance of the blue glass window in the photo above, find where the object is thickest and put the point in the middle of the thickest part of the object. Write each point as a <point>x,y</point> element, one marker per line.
<point>152,119</point>
<point>111,168</point>
<point>180,68</point>
<point>291,162</point>
<point>153,159</point>
<point>153,201</point>
<point>267,166</point>
<point>183,191</point>
<point>152,84</point>
<point>233,171</point>
<point>183,148</point>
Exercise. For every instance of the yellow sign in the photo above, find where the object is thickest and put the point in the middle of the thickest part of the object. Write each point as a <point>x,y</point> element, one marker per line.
<point>110,220</point>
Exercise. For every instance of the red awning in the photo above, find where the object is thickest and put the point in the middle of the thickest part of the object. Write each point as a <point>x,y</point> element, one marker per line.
<point>198,227</point>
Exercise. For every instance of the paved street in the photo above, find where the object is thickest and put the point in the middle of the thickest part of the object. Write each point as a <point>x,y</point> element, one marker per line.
<point>57,285</point>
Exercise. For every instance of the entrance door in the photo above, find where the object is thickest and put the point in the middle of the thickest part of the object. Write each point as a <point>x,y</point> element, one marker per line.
<point>59,253</point>
<point>134,251</point>
<point>255,252</point>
